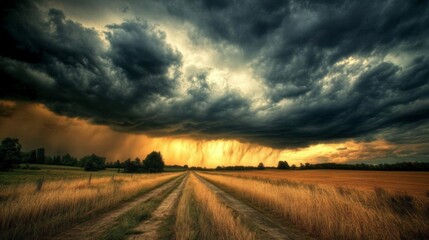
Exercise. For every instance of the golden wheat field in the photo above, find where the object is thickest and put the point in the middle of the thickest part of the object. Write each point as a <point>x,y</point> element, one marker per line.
<point>32,213</point>
<point>330,212</point>
<point>416,183</point>
<point>211,205</point>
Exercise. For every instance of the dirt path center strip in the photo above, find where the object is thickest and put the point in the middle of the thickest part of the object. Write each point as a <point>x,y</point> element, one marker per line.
<point>149,229</point>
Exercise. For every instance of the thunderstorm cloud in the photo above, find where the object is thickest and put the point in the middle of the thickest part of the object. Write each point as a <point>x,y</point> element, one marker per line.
<point>282,74</point>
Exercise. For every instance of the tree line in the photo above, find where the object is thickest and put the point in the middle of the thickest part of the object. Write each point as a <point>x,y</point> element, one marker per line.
<point>401,166</point>
<point>11,156</point>
<point>284,165</point>
<point>153,162</point>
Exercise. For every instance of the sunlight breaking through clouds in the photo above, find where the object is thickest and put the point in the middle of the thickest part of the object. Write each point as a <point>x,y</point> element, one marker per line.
<point>277,76</point>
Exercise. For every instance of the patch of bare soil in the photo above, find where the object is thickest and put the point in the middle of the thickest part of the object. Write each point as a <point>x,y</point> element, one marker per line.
<point>149,229</point>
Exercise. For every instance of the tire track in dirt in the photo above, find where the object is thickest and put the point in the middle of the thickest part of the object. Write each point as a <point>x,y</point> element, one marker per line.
<point>148,229</point>
<point>269,228</point>
<point>96,227</point>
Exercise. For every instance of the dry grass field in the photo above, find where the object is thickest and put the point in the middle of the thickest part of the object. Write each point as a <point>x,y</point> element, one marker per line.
<point>329,212</point>
<point>219,205</point>
<point>32,213</point>
<point>200,215</point>
<point>415,183</point>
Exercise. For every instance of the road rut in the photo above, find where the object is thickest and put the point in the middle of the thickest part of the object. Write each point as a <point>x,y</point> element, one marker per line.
<point>95,228</point>
<point>269,228</point>
<point>149,228</point>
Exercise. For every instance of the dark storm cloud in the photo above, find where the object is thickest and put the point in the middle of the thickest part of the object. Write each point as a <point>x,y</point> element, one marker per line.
<point>294,45</point>
<point>334,70</point>
<point>51,59</point>
<point>140,50</point>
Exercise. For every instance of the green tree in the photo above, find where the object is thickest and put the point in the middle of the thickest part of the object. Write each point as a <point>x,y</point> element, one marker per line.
<point>10,153</point>
<point>32,157</point>
<point>68,160</point>
<point>93,163</point>
<point>117,164</point>
<point>40,155</point>
<point>154,162</point>
<point>130,166</point>
<point>283,165</point>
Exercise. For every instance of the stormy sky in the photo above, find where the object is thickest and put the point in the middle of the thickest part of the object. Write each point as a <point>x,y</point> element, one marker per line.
<point>282,75</point>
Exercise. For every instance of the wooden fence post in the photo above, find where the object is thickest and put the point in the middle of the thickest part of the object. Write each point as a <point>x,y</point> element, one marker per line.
<point>39,184</point>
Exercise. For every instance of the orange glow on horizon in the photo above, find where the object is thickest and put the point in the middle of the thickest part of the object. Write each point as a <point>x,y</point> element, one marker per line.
<point>36,126</point>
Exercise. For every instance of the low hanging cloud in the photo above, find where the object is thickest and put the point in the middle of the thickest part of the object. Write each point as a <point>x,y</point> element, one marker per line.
<point>330,71</point>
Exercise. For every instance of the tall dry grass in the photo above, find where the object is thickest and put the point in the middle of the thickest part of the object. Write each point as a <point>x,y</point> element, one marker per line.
<point>414,183</point>
<point>186,215</point>
<point>26,213</point>
<point>200,215</point>
<point>335,213</point>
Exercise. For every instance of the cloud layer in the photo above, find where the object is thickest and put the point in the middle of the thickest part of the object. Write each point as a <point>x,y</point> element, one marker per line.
<point>325,71</point>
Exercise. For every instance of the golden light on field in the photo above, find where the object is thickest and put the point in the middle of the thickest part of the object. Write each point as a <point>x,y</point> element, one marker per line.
<point>36,126</point>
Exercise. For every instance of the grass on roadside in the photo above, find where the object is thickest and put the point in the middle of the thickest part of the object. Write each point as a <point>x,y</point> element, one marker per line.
<point>200,215</point>
<point>167,229</point>
<point>334,213</point>
<point>186,225</point>
<point>51,173</point>
<point>34,212</point>
<point>28,173</point>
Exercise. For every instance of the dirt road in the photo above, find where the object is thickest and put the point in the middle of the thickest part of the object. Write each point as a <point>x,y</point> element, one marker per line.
<point>149,229</point>
<point>268,227</point>
<point>96,227</point>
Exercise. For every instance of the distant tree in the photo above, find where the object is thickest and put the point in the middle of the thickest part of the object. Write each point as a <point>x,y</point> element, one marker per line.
<point>68,160</point>
<point>117,164</point>
<point>40,155</point>
<point>283,165</point>
<point>33,157</point>
<point>55,160</point>
<point>48,159</point>
<point>25,157</point>
<point>186,166</point>
<point>10,153</point>
<point>261,166</point>
<point>139,164</point>
<point>293,166</point>
<point>128,166</point>
<point>154,162</point>
<point>93,163</point>
<point>133,166</point>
